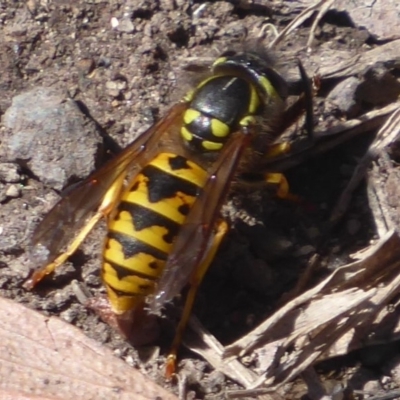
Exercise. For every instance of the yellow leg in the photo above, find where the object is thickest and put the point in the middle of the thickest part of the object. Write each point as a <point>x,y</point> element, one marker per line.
<point>272,178</point>
<point>106,206</point>
<point>278,149</point>
<point>195,281</point>
<point>282,191</point>
<point>38,275</point>
<point>275,179</point>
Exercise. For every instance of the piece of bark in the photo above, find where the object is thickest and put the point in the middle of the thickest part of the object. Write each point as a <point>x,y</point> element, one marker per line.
<point>46,358</point>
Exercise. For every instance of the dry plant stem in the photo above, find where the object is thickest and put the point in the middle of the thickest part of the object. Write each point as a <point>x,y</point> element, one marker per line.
<point>330,138</point>
<point>248,4</point>
<point>300,19</point>
<point>259,393</point>
<point>387,54</point>
<point>182,386</point>
<point>386,135</point>
<point>392,395</point>
<point>211,350</point>
<point>325,6</point>
<point>386,326</point>
<point>377,203</point>
<point>332,330</point>
<point>257,337</point>
<point>357,317</point>
<point>382,181</point>
<point>301,284</point>
<point>316,390</point>
<point>360,293</point>
<point>81,292</point>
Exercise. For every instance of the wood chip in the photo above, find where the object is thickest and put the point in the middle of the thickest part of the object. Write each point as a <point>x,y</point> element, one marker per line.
<point>46,358</point>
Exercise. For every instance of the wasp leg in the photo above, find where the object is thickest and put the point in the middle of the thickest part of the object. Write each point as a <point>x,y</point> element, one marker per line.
<point>106,206</point>
<point>275,180</point>
<point>279,180</point>
<point>222,229</point>
<point>38,275</point>
<point>278,149</point>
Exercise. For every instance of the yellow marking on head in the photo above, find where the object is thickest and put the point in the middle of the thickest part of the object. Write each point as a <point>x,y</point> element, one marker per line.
<point>205,81</point>
<point>254,100</point>
<point>247,121</point>
<point>212,146</point>
<point>189,96</point>
<point>266,84</point>
<point>190,115</point>
<point>186,135</point>
<point>137,263</point>
<point>218,128</point>
<point>218,61</point>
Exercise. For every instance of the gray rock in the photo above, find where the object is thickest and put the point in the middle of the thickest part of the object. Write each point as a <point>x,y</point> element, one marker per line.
<point>47,133</point>
<point>9,173</point>
<point>343,96</point>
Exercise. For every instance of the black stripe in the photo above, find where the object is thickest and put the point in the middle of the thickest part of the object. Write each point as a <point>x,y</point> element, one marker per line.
<point>184,209</point>
<point>131,246</point>
<point>121,293</point>
<point>162,185</point>
<point>123,272</point>
<point>177,162</point>
<point>145,218</point>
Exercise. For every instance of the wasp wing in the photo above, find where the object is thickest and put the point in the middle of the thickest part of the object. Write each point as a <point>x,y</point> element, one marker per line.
<point>69,214</point>
<point>196,235</point>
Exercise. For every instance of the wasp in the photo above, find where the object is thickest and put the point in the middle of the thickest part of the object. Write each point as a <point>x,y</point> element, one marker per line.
<point>162,195</point>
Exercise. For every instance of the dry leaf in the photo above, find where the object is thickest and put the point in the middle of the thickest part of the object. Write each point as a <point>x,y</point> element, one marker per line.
<point>46,358</point>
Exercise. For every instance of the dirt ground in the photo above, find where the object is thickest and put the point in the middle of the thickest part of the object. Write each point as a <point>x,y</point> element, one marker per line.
<point>90,76</point>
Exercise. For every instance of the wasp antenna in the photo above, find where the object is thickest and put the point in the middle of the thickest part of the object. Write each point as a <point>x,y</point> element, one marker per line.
<point>308,95</point>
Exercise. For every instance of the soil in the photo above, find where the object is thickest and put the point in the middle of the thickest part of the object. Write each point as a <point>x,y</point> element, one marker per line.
<point>114,68</point>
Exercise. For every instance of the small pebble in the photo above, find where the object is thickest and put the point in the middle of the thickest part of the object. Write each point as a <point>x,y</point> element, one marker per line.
<point>305,250</point>
<point>126,26</point>
<point>13,191</point>
<point>114,23</point>
<point>9,173</point>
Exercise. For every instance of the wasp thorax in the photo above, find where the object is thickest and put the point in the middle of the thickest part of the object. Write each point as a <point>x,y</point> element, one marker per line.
<point>240,87</point>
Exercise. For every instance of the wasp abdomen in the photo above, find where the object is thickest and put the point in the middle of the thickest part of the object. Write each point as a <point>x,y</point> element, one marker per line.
<point>144,226</point>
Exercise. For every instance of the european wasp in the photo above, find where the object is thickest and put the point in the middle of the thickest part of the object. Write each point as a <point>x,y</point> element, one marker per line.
<point>162,195</point>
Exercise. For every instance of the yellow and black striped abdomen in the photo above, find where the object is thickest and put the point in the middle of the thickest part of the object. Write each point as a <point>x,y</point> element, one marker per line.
<point>144,226</point>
